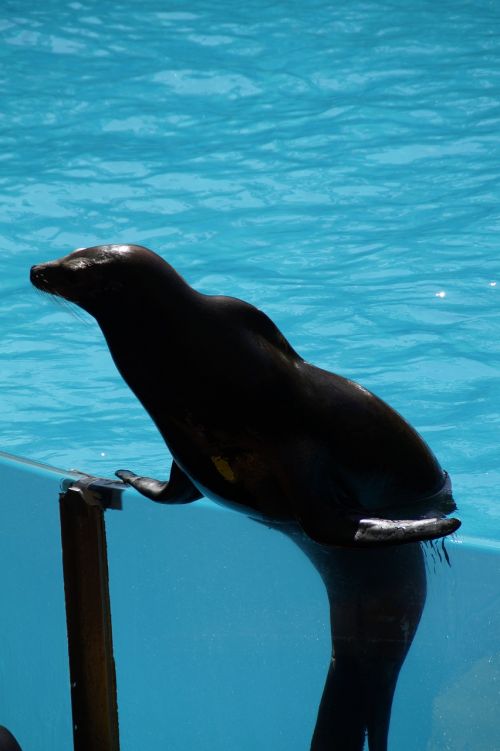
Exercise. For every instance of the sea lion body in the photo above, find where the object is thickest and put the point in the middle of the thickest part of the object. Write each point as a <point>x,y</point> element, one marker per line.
<point>252,425</point>
<point>249,422</point>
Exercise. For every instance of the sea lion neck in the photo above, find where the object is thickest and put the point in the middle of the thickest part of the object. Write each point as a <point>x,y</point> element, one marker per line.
<point>161,292</point>
<point>158,313</point>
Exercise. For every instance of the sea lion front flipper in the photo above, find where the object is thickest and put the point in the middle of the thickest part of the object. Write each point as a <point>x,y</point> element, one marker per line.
<point>178,489</point>
<point>373,532</point>
<point>352,530</point>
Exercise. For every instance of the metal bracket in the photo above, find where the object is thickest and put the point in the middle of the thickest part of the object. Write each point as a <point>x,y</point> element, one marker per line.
<point>96,491</point>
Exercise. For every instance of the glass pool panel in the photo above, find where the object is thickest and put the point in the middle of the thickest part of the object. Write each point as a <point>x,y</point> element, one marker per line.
<point>34,677</point>
<point>221,632</point>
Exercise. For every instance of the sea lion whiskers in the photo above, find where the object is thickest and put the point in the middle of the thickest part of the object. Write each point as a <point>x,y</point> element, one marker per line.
<point>70,307</point>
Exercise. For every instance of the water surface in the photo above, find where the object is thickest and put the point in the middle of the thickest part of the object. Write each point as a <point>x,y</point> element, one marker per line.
<point>335,164</point>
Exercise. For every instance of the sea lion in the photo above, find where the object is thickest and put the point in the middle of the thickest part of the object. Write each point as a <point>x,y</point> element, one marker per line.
<point>251,425</point>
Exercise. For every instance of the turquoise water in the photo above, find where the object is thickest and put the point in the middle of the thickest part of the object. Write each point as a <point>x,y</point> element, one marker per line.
<point>336,165</point>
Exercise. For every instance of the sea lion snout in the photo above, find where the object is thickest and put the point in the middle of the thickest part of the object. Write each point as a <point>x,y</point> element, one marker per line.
<point>53,277</point>
<point>75,277</point>
<point>42,275</point>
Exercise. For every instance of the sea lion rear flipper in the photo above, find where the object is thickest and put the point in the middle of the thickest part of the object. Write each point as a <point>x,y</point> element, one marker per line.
<point>178,489</point>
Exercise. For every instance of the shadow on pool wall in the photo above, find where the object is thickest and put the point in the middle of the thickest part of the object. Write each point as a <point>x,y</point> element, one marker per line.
<point>221,632</point>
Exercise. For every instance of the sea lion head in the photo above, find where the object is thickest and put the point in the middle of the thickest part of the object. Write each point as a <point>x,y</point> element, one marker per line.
<point>103,275</point>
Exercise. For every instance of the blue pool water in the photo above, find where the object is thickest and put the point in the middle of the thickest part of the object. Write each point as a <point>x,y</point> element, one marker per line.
<point>335,165</point>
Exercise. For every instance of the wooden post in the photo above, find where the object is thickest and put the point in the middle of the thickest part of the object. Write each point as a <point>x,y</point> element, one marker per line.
<point>88,615</point>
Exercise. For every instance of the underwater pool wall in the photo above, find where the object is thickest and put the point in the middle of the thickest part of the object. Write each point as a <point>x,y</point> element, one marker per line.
<point>34,676</point>
<point>221,631</point>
